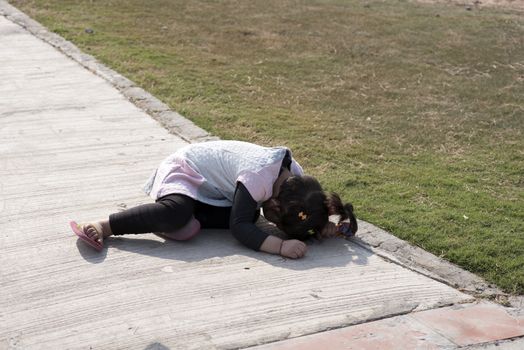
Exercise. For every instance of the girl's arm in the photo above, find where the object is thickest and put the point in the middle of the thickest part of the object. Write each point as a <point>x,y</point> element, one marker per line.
<point>291,248</point>
<point>243,215</point>
<point>242,225</point>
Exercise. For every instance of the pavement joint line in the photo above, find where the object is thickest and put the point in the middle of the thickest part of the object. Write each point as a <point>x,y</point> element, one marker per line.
<point>500,343</point>
<point>428,327</point>
<point>341,326</point>
<point>376,240</point>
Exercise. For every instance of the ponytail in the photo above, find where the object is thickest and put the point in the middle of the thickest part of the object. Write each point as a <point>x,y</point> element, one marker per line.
<point>344,211</point>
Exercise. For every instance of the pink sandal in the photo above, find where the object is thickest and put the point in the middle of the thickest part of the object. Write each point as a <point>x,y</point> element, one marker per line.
<point>77,229</point>
<point>190,230</point>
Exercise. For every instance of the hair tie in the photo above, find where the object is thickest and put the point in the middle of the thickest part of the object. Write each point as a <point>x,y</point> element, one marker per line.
<point>344,229</point>
<point>302,216</point>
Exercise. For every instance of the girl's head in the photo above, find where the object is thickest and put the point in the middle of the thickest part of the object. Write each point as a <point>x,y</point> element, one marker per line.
<point>302,209</point>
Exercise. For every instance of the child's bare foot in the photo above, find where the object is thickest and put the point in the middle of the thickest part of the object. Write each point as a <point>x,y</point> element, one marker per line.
<point>97,230</point>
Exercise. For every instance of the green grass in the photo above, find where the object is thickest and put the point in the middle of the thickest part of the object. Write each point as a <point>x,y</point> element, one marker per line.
<point>413,112</point>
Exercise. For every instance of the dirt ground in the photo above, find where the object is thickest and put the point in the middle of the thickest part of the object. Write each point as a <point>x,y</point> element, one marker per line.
<point>513,4</point>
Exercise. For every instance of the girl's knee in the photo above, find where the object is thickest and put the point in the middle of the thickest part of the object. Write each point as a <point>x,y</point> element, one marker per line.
<point>176,213</point>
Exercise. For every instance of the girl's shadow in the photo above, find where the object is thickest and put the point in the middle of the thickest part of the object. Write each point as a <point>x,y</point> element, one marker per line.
<point>210,244</point>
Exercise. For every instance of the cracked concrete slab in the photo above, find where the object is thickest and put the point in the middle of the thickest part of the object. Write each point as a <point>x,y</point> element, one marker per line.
<point>74,147</point>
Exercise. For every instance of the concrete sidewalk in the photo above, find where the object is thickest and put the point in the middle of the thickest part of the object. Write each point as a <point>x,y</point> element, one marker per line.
<point>72,146</point>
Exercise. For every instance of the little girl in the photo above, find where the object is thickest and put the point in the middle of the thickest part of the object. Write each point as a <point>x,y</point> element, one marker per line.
<point>223,184</point>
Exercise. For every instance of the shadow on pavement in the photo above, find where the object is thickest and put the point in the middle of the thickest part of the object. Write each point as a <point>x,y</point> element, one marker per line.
<point>211,244</point>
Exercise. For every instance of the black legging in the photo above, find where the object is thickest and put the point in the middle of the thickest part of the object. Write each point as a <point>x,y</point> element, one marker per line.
<point>167,214</point>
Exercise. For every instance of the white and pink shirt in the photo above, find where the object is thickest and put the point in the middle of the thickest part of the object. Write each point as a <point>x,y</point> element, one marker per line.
<point>209,171</point>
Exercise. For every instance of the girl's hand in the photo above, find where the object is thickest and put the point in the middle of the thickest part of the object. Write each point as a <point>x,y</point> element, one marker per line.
<point>293,249</point>
<point>330,230</point>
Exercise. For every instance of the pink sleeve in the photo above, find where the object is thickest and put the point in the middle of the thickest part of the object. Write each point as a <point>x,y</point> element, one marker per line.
<point>256,188</point>
<point>260,184</point>
<point>296,169</point>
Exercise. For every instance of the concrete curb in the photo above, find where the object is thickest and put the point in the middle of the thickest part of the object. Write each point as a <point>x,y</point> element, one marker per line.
<point>172,121</point>
<point>370,237</point>
<point>403,253</point>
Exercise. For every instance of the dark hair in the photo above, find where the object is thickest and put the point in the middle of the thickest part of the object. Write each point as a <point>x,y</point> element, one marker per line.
<point>305,208</point>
